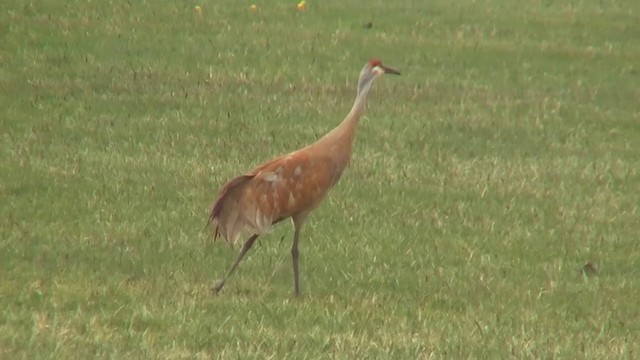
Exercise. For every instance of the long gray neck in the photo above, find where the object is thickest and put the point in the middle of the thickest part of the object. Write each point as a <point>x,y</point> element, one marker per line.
<point>346,129</point>
<point>360,104</point>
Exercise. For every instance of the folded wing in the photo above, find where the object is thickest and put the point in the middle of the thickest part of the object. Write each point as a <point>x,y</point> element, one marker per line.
<point>274,191</point>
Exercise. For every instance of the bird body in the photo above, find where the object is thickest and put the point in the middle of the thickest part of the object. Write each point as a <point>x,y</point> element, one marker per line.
<point>289,186</point>
<point>273,191</point>
<point>282,187</point>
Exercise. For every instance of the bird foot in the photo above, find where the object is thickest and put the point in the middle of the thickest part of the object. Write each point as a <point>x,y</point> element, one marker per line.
<point>217,287</point>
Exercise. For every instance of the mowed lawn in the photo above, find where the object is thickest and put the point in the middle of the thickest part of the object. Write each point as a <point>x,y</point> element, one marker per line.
<point>491,209</point>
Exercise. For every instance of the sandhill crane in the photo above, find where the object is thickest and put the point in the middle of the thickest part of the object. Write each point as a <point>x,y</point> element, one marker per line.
<point>289,186</point>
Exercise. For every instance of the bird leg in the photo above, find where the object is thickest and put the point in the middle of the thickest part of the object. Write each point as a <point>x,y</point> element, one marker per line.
<point>298,221</point>
<point>294,258</point>
<point>247,245</point>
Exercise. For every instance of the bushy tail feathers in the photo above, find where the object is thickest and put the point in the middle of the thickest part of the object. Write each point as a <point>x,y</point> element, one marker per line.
<point>225,213</point>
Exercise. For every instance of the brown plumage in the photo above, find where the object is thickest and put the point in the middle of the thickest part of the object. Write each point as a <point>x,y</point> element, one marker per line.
<point>290,186</point>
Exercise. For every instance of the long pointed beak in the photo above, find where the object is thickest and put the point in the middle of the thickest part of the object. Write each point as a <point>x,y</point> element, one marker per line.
<point>389,70</point>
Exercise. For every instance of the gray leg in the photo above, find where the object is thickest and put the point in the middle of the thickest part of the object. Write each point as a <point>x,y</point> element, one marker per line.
<point>247,245</point>
<point>294,258</point>
<point>298,221</point>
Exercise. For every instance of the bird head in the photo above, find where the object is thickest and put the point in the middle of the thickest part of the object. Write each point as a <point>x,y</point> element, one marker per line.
<point>372,70</point>
<point>378,68</point>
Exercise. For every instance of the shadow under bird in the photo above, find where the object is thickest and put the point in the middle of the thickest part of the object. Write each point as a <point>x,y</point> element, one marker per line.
<point>289,186</point>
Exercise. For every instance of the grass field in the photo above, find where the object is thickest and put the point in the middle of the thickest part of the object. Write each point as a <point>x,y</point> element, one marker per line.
<point>484,179</point>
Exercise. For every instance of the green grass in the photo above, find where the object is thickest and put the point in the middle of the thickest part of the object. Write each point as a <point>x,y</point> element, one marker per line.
<point>483,179</point>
